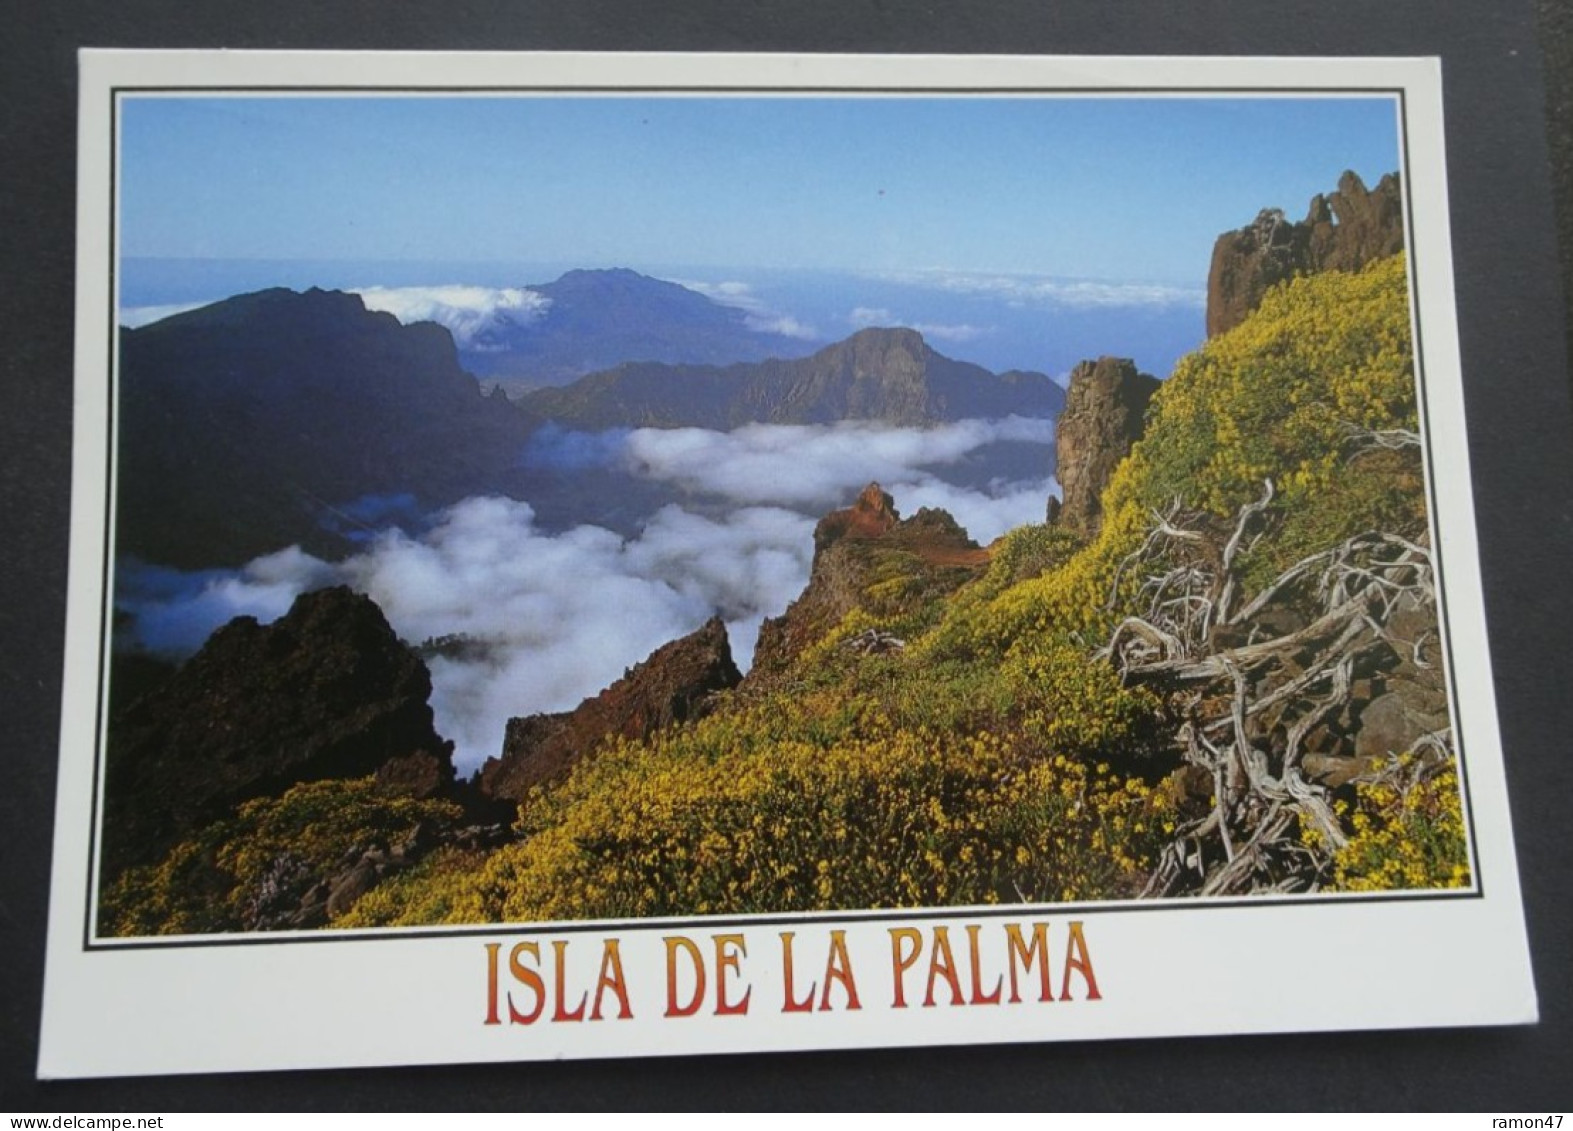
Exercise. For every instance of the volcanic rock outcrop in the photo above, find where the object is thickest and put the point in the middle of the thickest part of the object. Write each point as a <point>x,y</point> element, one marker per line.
<point>1105,413</point>
<point>327,691</point>
<point>855,548</point>
<point>672,685</point>
<point>1343,231</point>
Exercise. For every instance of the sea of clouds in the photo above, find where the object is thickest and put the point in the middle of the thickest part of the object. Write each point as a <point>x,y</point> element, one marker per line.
<point>760,315</point>
<point>550,617</point>
<point>467,311</point>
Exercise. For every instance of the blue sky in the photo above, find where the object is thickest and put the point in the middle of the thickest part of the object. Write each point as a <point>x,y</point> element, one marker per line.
<point>1115,189</point>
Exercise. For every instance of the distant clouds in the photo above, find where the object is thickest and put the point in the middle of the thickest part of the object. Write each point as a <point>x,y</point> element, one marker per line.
<point>555,616</point>
<point>549,618</point>
<point>175,612</point>
<point>783,324</point>
<point>817,466</point>
<point>133,317</point>
<point>862,316</point>
<point>465,310</point>
<point>1027,290</point>
<point>813,468</point>
<point>761,316</point>
<point>733,293</point>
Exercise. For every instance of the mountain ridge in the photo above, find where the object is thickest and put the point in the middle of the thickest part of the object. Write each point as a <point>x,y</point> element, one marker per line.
<point>297,403</point>
<point>596,318</point>
<point>889,375</point>
<point>275,418</point>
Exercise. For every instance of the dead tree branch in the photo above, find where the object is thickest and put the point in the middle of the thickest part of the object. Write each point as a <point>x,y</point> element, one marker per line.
<point>1254,683</point>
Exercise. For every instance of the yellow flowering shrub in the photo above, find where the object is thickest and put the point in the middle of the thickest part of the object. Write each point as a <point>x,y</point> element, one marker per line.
<point>1070,602</point>
<point>1070,706</point>
<point>914,819</point>
<point>422,894</point>
<point>1024,553</point>
<point>1406,831</point>
<point>1287,394</point>
<point>205,883</point>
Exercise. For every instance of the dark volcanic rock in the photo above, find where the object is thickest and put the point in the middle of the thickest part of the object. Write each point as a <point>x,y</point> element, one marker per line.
<point>419,775</point>
<point>1392,723</point>
<point>1105,413</point>
<point>1342,231</point>
<point>265,420</point>
<point>671,686</point>
<point>888,375</point>
<point>327,691</point>
<point>1398,699</point>
<point>851,547</point>
<point>1353,227</point>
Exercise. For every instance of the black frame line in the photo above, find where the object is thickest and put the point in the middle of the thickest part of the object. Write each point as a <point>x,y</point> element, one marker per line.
<point>90,943</point>
<point>831,91</point>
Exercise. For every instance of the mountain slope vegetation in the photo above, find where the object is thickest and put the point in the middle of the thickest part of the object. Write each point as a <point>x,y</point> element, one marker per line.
<point>1023,743</point>
<point>1232,685</point>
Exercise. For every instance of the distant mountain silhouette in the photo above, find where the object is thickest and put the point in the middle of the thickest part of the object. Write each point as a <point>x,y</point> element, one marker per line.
<point>281,418</point>
<point>886,375</point>
<point>598,319</point>
<point>270,418</point>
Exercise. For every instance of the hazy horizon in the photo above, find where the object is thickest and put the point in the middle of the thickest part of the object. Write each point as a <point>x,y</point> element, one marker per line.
<point>997,321</point>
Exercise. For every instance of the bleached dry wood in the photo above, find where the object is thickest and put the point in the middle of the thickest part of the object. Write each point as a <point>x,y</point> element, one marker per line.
<point>1279,682</point>
<point>1392,439</point>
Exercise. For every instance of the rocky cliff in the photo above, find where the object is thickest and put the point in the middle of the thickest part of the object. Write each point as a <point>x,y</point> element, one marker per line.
<point>271,418</point>
<point>327,691</point>
<point>672,685</point>
<point>1342,231</point>
<point>856,549</point>
<point>1105,412</point>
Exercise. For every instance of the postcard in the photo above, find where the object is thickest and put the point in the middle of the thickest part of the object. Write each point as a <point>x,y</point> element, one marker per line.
<point>589,555</point>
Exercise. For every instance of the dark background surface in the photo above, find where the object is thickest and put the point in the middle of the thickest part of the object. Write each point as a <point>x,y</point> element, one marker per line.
<point>1509,285</point>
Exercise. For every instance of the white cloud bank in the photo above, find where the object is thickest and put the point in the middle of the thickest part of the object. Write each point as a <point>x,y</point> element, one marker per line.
<point>935,331</point>
<point>134,317</point>
<point>466,311</point>
<point>1077,294</point>
<point>761,317</point>
<point>816,467</point>
<point>554,617</point>
<point>549,618</point>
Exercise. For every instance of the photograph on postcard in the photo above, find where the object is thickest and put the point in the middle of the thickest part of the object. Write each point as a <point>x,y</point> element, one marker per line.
<point>618,505</point>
